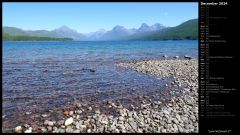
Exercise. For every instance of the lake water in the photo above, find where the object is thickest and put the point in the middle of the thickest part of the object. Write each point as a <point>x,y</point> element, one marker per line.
<point>38,76</point>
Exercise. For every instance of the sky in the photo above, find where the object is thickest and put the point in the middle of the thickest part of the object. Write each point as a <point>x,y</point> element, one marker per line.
<point>90,17</point>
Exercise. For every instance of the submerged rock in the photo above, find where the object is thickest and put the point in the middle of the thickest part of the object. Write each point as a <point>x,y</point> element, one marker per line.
<point>187,57</point>
<point>165,56</point>
<point>90,70</point>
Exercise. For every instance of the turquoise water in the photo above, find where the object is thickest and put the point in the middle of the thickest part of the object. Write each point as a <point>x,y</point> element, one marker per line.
<point>101,50</point>
<point>105,50</point>
<point>52,74</point>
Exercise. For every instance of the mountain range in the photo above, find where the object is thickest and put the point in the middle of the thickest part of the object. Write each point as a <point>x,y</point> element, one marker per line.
<point>186,30</point>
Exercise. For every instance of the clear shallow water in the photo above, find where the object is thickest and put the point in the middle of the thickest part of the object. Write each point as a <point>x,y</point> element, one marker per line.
<point>53,74</point>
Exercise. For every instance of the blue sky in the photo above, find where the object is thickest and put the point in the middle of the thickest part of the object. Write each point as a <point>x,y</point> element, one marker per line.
<point>90,17</point>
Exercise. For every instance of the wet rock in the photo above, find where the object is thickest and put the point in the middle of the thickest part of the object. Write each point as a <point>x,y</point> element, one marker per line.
<point>113,105</point>
<point>69,130</point>
<point>192,117</point>
<point>4,116</point>
<point>104,121</point>
<point>178,117</point>
<point>66,112</point>
<point>18,129</point>
<point>175,121</point>
<point>79,105</point>
<point>61,130</point>
<point>121,118</point>
<point>55,129</point>
<point>175,128</point>
<point>180,129</point>
<point>77,131</point>
<point>90,70</point>
<point>69,121</point>
<point>44,115</point>
<point>43,129</point>
<point>97,112</point>
<point>166,112</point>
<point>49,123</point>
<point>89,108</point>
<point>78,111</point>
<point>187,57</point>
<point>165,56</point>
<point>49,128</point>
<point>117,130</point>
<point>70,112</point>
<point>28,113</point>
<point>60,122</point>
<point>164,130</point>
<point>28,131</point>
<point>26,125</point>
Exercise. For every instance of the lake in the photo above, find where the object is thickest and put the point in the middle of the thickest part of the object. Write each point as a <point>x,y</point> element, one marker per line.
<point>38,76</point>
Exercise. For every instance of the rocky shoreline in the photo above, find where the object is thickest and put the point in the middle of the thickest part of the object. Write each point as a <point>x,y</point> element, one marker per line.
<point>177,115</point>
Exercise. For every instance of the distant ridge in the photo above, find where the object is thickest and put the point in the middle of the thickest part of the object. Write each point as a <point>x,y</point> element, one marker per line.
<point>186,30</point>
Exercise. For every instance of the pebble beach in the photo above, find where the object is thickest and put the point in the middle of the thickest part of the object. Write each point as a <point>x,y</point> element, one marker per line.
<point>176,114</point>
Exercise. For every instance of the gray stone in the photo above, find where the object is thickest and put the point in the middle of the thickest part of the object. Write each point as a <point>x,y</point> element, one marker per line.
<point>69,130</point>
<point>49,123</point>
<point>55,128</point>
<point>79,105</point>
<point>175,128</point>
<point>61,130</point>
<point>77,131</point>
<point>97,112</point>
<point>178,117</point>
<point>89,130</point>
<point>193,117</point>
<point>43,129</point>
<point>175,120</point>
<point>78,111</point>
<point>121,118</point>
<point>44,115</point>
<point>164,130</point>
<point>26,125</point>
<point>71,113</point>
<point>28,131</point>
<point>60,122</point>
<point>49,128</point>
<point>166,112</point>
<point>180,129</point>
